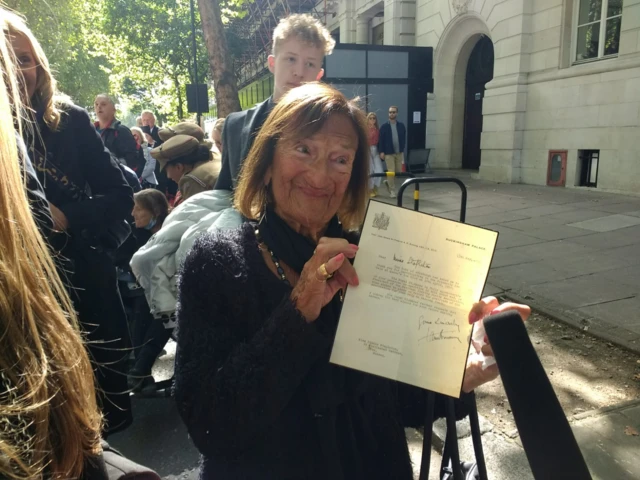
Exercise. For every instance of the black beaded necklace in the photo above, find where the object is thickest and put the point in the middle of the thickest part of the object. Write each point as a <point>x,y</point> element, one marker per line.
<point>274,259</point>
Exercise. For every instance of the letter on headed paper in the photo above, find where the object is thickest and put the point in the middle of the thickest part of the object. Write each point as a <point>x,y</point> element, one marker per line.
<point>419,277</point>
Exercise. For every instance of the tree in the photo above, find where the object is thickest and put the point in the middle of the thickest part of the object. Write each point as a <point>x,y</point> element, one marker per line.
<point>224,80</point>
<point>152,52</point>
<point>63,28</point>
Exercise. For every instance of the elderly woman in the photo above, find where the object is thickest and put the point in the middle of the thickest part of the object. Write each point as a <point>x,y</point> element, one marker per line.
<point>258,311</point>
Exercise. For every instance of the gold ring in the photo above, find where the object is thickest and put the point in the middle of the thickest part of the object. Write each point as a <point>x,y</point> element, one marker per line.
<point>323,271</point>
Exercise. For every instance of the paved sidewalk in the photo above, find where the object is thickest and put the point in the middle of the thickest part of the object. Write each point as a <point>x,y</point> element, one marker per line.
<point>605,437</point>
<point>573,254</point>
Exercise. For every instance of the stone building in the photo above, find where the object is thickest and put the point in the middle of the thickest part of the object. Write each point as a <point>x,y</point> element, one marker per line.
<point>525,91</point>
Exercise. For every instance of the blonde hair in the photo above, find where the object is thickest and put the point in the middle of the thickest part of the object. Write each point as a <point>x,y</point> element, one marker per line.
<point>373,115</point>
<point>307,29</point>
<point>50,406</point>
<point>218,125</point>
<point>301,113</point>
<point>139,131</point>
<point>46,98</point>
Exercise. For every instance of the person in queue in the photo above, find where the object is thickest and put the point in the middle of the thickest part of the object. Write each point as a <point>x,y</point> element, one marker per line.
<point>149,336</point>
<point>258,308</point>
<point>116,136</point>
<point>216,134</point>
<point>187,160</point>
<point>50,422</point>
<point>148,177</point>
<point>69,156</point>
<point>300,43</point>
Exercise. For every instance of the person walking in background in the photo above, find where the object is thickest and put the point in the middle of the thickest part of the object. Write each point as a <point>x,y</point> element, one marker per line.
<point>148,177</point>
<point>375,165</point>
<point>70,159</point>
<point>393,137</point>
<point>116,137</point>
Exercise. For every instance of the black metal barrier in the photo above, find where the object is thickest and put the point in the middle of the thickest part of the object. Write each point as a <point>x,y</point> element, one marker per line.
<point>451,451</point>
<point>547,438</point>
<point>416,193</point>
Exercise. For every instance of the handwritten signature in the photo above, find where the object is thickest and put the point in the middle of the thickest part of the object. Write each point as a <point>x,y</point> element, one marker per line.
<point>433,336</point>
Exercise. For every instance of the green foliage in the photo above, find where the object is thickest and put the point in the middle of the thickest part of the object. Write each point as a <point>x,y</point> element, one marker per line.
<point>140,51</point>
<point>62,27</point>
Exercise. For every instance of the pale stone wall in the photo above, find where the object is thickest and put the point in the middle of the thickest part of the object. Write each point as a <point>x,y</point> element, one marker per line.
<point>582,107</point>
<point>538,100</point>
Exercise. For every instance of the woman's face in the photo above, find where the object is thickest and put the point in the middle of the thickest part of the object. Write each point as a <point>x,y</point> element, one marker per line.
<point>136,135</point>
<point>372,121</point>
<point>216,136</point>
<point>175,171</point>
<point>309,177</point>
<point>26,63</point>
<point>141,216</point>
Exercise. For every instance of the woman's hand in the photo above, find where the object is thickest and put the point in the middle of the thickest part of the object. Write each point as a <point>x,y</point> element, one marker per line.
<point>313,290</point>
<point>474,374</point>
<point>60,221</point>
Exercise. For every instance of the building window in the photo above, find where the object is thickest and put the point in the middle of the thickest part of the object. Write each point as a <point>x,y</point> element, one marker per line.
<point>597,29</point>
<point>589,162</point>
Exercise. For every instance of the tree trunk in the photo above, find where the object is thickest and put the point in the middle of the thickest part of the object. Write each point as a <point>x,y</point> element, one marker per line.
<point>224,80</point>
<point>176,84</point>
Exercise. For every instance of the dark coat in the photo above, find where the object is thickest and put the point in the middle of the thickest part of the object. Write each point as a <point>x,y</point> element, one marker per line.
<point>385,142</point>
<point>154,132</point>
<point>243,359</point>
<point>120,142</point>
<point>238,134</point>
<point>76,149</point>
<point>35,193</point>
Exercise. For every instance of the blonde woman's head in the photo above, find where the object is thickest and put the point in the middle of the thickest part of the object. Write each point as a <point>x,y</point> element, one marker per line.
<point>39,87</point>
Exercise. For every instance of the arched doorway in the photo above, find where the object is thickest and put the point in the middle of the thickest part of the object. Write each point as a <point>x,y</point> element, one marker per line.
<point>445,130</point>
<point>479,73</point>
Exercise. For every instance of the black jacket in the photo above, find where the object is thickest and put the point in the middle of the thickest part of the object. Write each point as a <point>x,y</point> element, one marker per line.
<point>238,134</point>
<point>76,149</point>
<point>244,363</point>
<point>385,142</point>
<point>35,193</point>
<point>120,142</point>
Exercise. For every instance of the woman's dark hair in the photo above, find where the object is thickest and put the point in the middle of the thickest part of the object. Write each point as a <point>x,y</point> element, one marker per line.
<point>154,201</point>
<point>301,113</point>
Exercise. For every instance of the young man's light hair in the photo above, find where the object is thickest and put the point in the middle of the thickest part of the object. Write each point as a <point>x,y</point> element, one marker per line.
<point>306,28</point>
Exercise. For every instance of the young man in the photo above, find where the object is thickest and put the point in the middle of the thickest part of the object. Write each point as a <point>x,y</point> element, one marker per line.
<point>115,136</point>
<point>391,143</point>
<point>300,43</point>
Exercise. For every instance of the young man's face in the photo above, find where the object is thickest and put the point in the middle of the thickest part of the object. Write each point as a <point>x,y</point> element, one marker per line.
<point>393,114</point>
<point>294,64</point>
